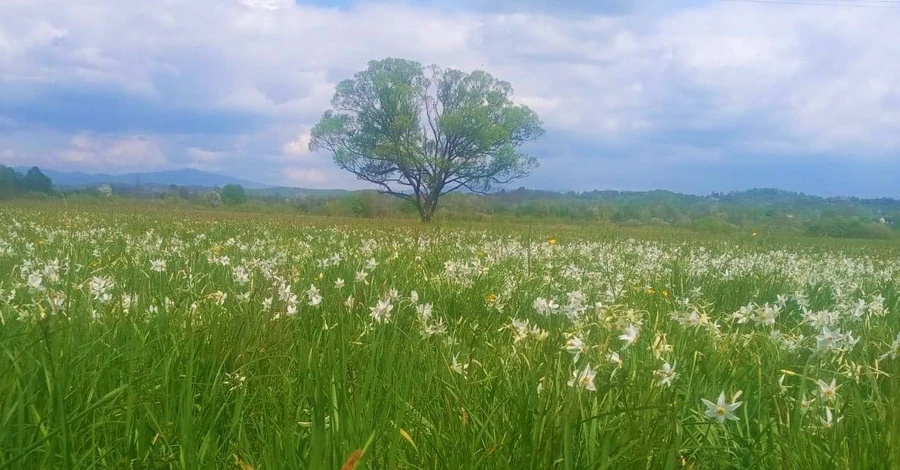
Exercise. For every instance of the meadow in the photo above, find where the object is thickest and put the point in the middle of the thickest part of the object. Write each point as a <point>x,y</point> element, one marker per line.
<point>150,340</point>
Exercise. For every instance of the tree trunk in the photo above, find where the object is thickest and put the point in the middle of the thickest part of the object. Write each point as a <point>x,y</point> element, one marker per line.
<point>427,208</point>
<point>424,214</point>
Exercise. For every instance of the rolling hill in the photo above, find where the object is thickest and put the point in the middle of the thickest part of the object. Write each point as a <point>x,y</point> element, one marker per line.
<point>184,177</point>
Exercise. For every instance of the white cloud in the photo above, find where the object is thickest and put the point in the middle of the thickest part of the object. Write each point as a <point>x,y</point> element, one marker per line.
<point>318,177</point>
<point>203,156</point>
<point>304,176</point>
<point>828,81</point>
<point>202,159</point>
<point>300,145</point>
<point>268,4</point>
<point>783,78</point>
<point>102,153</point>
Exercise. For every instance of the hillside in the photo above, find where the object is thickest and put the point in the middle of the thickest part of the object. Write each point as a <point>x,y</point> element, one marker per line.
<point>184,177</point>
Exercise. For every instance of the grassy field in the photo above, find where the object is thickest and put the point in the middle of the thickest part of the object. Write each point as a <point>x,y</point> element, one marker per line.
<point>151,339</point>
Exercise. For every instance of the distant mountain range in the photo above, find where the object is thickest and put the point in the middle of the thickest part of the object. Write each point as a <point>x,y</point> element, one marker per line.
<point>184,177</point>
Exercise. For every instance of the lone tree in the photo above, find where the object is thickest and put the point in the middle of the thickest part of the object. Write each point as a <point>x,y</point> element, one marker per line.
<point>233,195</point>
<point>9,182</point>
<point>37,182</point>
<point>421,133</point>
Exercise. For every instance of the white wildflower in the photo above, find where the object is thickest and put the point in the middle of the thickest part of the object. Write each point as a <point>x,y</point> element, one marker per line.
<point>666,375</point>
<point>158,265</point>
<point>630,335</point>
<point>720,411</point>
<point>575,346</point>
<point>584,378</point>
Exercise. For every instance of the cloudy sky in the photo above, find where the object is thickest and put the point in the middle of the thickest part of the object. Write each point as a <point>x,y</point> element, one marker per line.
<point>691,96</point>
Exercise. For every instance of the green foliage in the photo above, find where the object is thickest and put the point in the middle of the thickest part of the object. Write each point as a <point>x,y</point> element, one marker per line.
<point>8,182</point>
<point>848,227</point>
<point>361,205</point>
<point>233,195</point>
<point>419,136</point>
<point>766,212</point>
<point>34,182</point>
<point>212,199</point>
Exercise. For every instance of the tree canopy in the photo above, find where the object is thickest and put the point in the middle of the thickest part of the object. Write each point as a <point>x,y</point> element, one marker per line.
<point>419,133</point>
<point>233,195</point>
<point>13,183</point>
<point>37,182</point>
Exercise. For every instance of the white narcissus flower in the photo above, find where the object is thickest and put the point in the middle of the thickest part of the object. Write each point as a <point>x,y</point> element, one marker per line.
<point>51,271</point>
<point>576,347</point>
<point>552,306</point>
<point>828,420</point>
<point>743,314</point>
<point>540,306</point>
<point>424,311</point>
<point>720,411</point>
<point>805,403</point>
<point>666,375</point>
<point>100,287</point>
<point>781,300</point>
<point>521,329</point>
<point>338,283</point>
<point>828,339</point>
<point>767,314</point>
<point>284,291</point>
<point>241,275</point>
<point>828,391</point>
<point>158,265</point>
<point>615,359</point>
<point>35,281</point>
<point>660,346</point>
<point>584,378</point>
<point>629,335</point>
<point>57,301</point>
<point>459,368</point>
<point>381,312</point>
<point>433,329</point>
<point>893,352</point>
<point>313,296</point>
<point>219,297</point>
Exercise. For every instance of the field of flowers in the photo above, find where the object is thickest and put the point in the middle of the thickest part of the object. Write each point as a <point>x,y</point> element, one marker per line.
<point>146,340</point>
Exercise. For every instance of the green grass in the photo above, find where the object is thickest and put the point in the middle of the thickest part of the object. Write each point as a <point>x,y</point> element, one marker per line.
<point>194,371</point>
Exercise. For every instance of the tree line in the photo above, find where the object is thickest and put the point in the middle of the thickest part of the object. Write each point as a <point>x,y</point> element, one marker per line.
<point>762,211</point>
<point>14,184</point>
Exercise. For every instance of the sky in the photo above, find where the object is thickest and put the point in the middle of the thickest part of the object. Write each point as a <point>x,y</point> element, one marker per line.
<point>691,96</point>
